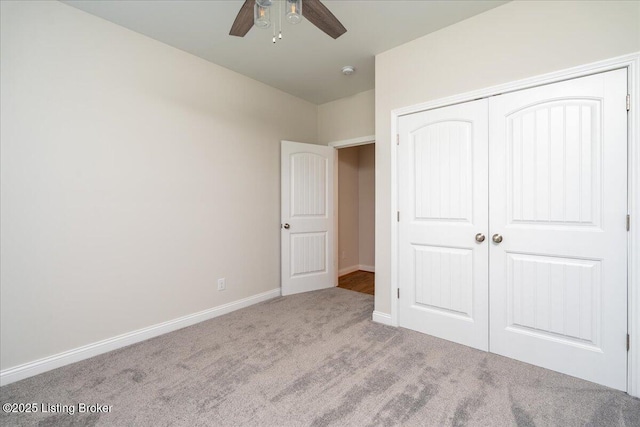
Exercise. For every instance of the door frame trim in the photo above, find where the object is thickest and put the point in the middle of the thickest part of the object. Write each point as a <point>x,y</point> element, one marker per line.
<point>353,142</point>
<point>632,63</point>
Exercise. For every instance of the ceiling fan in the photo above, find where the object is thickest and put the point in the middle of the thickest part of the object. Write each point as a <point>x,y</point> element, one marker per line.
<point>313,10</point>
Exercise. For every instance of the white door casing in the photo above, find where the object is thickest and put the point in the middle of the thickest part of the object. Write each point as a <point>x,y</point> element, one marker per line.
<point>558,197</point>
<point>443,201</point>
<point>307,217</point>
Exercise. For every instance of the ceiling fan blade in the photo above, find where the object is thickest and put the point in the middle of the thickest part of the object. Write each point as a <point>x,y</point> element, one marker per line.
<point>244,20</point>
<point>321,17</point>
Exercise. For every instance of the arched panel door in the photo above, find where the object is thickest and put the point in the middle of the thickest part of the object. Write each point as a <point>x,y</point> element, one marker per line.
<point>512,230</point>
<point>558,176</point>
<point>443,230</point>
<point>307,211</point>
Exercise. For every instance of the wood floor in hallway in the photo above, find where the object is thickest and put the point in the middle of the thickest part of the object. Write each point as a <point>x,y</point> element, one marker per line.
<point>359,281</point>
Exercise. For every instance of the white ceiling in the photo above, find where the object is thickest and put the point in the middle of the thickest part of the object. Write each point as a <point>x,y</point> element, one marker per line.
<point>306,62</point>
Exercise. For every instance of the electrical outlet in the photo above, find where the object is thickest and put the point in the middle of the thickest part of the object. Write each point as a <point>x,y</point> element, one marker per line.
<point>222,285</point>
<point>344,254</point>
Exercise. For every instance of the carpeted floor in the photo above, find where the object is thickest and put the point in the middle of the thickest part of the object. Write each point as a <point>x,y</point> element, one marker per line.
<point>314,359</point>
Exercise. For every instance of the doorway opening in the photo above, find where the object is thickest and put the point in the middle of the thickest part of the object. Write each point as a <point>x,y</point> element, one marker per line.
<point>356,218</point>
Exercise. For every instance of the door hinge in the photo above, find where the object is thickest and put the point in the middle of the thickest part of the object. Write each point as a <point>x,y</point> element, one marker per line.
<point>398,216</point>
<point>399,295</point>
<point>628,102</point>
<point>628,342</point>
<point>628,222</point>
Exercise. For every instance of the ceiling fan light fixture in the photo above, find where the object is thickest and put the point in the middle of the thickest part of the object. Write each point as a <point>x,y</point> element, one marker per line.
<point>260,10</point>
<point>294,11</point>
<point>261,15</point>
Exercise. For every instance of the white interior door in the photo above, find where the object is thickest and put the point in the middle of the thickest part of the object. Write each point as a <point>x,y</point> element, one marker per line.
<point>443,205</point>
<point>307,227</point>
<point>558,175</point>
<point>542,173</point>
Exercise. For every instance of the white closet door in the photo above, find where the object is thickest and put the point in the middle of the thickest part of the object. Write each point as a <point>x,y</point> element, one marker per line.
<point>443,205</point>
<point>558,199</point>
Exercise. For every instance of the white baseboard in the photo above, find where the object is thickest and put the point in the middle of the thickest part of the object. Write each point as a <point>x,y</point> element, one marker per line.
<point>17,373</point>
<point>380,317</point>
<point>369,268</point>
<point>347,270</point>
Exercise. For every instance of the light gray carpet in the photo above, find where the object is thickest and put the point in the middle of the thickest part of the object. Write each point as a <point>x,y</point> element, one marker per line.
<point>314,359</point>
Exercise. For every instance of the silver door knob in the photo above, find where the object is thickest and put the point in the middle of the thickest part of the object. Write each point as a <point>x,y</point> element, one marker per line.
<point>479,237</point>
<point>496,238</point>
<point>286,226</point>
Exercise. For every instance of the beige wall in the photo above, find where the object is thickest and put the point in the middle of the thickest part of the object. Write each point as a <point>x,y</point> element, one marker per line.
<point>133,175</point>
<point>511,42</point>
<point>347,118</point>
<point>348,209</point>
<point>366,204</point>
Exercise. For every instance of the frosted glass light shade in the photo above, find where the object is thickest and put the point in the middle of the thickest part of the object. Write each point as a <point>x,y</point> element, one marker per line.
<point>294,11</point>
<point>261,16</point>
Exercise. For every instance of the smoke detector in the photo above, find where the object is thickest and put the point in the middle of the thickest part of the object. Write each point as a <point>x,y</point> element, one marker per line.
<point>347,70</point>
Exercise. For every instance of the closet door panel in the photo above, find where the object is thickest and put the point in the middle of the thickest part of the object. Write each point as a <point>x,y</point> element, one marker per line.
<point>443,205</point>
<point>558,190</point>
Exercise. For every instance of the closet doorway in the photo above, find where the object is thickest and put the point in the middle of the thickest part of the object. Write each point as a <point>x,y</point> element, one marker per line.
<point>356,217</point>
